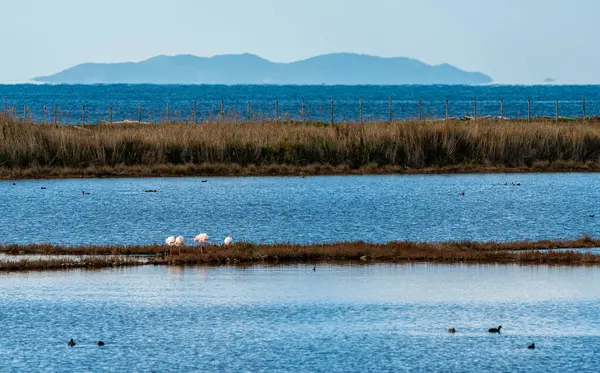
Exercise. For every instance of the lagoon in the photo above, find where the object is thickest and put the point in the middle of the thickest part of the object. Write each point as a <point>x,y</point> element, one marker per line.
<point>340,318</point>
<point>300,210</point>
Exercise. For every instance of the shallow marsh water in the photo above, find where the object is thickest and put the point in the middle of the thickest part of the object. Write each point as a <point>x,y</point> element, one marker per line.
<point>302,210</point>
<point>290,318</point>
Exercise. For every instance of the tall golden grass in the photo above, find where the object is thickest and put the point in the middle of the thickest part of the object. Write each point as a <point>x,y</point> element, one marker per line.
<point>34,150</point>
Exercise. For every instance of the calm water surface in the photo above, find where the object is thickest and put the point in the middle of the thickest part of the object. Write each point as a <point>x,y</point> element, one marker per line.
<point>302,210</point>
<point>271,319</point>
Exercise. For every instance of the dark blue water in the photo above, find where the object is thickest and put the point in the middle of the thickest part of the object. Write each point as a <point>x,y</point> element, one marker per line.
<point>291,319</point>
<point>302,210</point>
<point>153,100</point>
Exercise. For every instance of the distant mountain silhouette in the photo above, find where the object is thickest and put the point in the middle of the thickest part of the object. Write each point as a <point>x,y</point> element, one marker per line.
<point>340,68</point>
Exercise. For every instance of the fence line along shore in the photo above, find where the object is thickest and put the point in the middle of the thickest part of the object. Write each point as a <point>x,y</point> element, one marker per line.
<point>193,113</point>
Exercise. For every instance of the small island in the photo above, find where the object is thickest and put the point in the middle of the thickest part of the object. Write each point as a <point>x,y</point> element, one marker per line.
<point>330,69</point>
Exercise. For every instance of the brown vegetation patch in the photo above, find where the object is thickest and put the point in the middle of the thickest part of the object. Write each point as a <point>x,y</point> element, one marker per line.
<point>65,263</point>
<point>475,252</point>
<point>290,148</point>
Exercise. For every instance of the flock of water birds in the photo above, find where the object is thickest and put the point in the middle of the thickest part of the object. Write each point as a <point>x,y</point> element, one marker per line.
<point>493,330</point>
<point>201,239</point>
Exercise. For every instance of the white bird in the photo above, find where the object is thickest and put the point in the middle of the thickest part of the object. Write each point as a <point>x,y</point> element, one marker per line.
<point>202,238</point>
<point>179,242</point>
<point>228,241</point>
<point>170,241</point>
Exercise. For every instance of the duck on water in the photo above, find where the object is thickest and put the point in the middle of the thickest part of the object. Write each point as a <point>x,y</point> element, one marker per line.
<point>495,330</point>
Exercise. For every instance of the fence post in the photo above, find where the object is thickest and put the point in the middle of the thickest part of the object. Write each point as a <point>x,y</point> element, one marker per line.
<point>82,115</point>
<point>556,112</point>
<point>195,113</point>
<point>391,110</point>
<point>167,112</point>
<point>475,108</point>
<point>529,110</point>
<point>332,112</point>
<point>276,111</point>
<point>24,112</point>
<point>222,110</point>
<point>139,114</point>
<point>110,113</point>
<point>501,108</point>
<point>360,109</point>
<point>55,110</point>
<point>583,107</point>
<point>249,111</point>
<point>419,109</point>
<point>447,116</point>
<point>46,114</point>
<point>303,112</point>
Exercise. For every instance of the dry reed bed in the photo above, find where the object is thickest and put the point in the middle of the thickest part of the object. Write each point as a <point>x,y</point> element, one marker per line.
<point>490,252</point>
<point>99,262</point>
<point>33,150</point>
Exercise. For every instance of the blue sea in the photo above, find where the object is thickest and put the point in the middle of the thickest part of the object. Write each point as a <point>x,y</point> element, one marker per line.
<point>158,103</point>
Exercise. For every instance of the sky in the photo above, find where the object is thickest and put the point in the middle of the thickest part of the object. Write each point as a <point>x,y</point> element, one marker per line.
<point>514,41</point>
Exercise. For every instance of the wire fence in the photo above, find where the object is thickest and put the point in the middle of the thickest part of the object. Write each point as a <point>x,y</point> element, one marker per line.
<point>330,111</point>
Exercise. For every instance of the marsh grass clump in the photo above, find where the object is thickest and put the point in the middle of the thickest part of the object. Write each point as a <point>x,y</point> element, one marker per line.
<point>42,264</point>
<point>30,150</point>
<point>526,252</point>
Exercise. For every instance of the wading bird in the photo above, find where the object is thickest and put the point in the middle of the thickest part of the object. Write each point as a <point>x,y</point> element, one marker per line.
<point>202,239</point>
<point>228,241</point>
<point>179,242</point>
<point>170,242</point>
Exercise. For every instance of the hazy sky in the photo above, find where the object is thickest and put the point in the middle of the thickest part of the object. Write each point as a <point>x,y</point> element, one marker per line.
<point>514,41</point>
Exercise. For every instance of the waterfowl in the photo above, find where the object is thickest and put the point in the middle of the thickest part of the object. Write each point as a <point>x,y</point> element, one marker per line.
<point>494,330</point>
<point>591,216</point>
<point>205,181</point>
<point>100,343</point>
<point>151,191</point>
<point>228,241</point>
<point>315,269</point>
<point>202,239</point>
<point>71,343</point>
<point>85,193</point>
<point>461,193</point>
<point>43,188</point>
<point>451,330</point>
<point>179,241</point>
<point>531,346</point>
